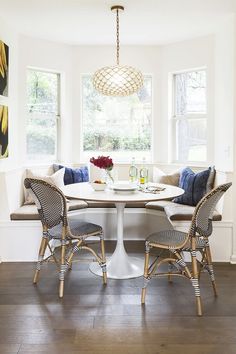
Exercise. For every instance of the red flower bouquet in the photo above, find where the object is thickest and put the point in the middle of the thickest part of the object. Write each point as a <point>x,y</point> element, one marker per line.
<point>104,162</point>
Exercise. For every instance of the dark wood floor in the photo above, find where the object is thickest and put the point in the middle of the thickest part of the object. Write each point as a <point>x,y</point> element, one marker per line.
<point>93,319</point>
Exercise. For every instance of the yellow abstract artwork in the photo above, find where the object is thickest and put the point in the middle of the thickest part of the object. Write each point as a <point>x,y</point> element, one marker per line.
<point>3,132</point>
<point>4,59</point>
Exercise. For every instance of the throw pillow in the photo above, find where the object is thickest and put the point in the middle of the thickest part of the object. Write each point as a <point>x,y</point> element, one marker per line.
<point>194,185</point>
<point>211,179</point>
<point>74,175</point>
<point>160,177</point>
<point>57,179</point>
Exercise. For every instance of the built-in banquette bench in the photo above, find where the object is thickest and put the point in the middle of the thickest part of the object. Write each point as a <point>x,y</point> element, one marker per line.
<point>173,211</point>
<point>18,219</point>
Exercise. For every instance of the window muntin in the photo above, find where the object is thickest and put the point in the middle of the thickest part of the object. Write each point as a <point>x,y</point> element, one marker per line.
<point>117,126</point>
<point>190,117</point>
<point>43,114</point>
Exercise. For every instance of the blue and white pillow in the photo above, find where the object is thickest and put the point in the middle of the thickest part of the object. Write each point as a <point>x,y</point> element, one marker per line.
<point>74,175</point>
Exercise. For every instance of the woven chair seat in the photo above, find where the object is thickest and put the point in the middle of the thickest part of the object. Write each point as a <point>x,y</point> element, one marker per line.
<point>174,239</point>
<point>170,238</point>
<point>200,244</point>
<point>77,228</point>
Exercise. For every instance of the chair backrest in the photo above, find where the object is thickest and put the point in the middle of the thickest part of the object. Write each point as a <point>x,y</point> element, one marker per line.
<point>50,202</point>
<point>202,217</point>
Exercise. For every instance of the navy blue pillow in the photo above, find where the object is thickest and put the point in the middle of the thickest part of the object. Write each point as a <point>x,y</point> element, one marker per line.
<point>194,185</point>
<point>74,175</point>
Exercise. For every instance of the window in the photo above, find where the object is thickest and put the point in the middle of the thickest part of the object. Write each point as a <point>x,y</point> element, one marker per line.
<point>117,126</point>
<point>43,114</point>
<point>189,121</point>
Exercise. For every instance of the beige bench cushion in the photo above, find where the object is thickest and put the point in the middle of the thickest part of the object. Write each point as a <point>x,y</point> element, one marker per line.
<point>75,204</point>
<point>92,204</point>
<point>158,205</point>
<point>174,211</point>
<point>25,212</point>
<point>29,212</point>
<point>177,212</point>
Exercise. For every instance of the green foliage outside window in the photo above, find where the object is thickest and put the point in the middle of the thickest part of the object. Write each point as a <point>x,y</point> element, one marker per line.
<point>116,124</point>
<point>42,106</point>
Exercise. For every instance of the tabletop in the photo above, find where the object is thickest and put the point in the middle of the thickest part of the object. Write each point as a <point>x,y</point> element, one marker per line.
<point>84,191</point>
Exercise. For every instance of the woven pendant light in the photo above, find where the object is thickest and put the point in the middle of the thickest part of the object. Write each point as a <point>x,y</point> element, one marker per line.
<point>117,80</point>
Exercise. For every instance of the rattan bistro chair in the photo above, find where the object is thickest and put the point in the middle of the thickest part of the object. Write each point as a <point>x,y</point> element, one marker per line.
<point>71,233</point>
<point>169,246</point>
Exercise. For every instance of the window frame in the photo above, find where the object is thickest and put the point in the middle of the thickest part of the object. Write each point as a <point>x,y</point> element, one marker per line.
<point>174,118</point>
<point>57,115</point>
<point>83,158</point>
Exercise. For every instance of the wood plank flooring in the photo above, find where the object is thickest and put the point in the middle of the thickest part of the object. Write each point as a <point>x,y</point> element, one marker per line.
<point>93,319</point>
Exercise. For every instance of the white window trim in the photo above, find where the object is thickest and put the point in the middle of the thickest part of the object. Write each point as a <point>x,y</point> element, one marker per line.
<point>58,117</point>
<point>173,118</point>
<point>83,160</point>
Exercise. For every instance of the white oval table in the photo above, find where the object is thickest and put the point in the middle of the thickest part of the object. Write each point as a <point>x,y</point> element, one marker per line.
<point>120,265</point>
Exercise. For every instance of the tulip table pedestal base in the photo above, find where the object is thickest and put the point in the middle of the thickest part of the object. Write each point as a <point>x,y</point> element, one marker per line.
<point>120,265</point>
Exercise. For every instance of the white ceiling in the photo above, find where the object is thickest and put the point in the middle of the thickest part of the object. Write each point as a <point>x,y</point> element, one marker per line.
<point>91,21</point>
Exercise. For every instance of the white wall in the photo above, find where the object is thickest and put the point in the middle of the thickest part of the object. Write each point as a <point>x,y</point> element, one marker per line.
<point>224,95</point>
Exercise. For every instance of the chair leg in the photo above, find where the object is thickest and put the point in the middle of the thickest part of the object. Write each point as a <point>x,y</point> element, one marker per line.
<point>63,268</point>
<point>145,275</point>
<point>71,246</point>
<point>209,267</point>
<point>42,249</point>
<point>170,267</point>
<point>195,282</point>
<point>103,266</point>
<point>74,249</point>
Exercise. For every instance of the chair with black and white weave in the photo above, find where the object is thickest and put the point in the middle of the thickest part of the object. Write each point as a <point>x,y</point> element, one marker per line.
<point>169,246</point>
<point>71,233</point>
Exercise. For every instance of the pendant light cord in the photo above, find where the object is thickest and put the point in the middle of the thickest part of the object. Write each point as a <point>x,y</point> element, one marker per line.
<point>117,38</point>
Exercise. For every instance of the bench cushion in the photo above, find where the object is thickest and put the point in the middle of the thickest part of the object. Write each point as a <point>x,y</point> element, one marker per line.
<point>177,212</point>
<point>25,212</point>
<point>29,212</point>
<point>158,205</point>
<point>93,204</point>
<point>174,211</point>
<point>75,204</point>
